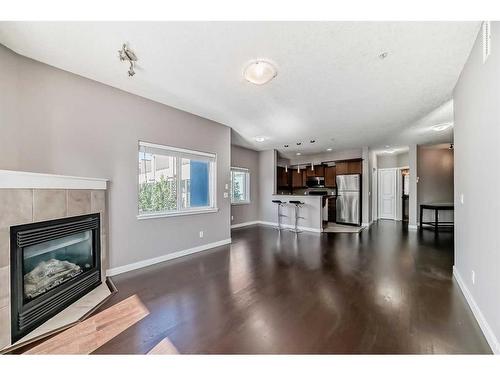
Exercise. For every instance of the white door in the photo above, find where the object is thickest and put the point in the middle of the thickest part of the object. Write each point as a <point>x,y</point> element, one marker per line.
<point>387,193</point>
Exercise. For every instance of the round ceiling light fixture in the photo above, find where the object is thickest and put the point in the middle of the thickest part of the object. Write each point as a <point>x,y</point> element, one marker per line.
<point>298,154</point>
<point>328,149</point>
<point>442,127</point>
<point>260,139</point>
<point>260,72</point>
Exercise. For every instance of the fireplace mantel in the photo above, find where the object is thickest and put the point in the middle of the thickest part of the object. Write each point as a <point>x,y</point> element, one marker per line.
<point>28,180</point>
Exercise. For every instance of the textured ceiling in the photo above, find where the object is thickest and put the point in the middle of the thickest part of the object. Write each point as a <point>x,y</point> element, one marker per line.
<point>331,85</point>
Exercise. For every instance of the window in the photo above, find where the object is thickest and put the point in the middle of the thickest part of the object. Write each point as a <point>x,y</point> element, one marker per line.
<point>174,181</point>
<point>240,185</point>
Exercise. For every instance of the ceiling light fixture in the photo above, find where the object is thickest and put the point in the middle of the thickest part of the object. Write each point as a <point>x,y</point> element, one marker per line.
<point>390,151</point>
<point>312,166</point>
<point>285,146</point>
<point>442,127</point>
<point>312,141</point>
<point>328,149</point>
<point>298,154</point>
<point>260,139</point>
<point>299,143</point>
<point>260,72</point>
<point>383,55</point>
<point>286,168</point>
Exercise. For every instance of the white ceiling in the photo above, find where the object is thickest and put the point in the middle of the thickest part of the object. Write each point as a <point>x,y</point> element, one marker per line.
<point>331,85</point>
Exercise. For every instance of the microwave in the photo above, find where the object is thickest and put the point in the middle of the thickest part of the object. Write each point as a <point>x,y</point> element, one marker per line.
<point>314,182</point>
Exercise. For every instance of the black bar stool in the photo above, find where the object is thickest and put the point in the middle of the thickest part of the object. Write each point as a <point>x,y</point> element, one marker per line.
<point>280,215</point>
<point>297,204</point>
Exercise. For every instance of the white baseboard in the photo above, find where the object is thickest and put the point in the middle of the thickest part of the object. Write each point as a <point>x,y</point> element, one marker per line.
<point>246,224</point>
<point>163,258</point>
<point>289,226</point>
<point>485,327</point>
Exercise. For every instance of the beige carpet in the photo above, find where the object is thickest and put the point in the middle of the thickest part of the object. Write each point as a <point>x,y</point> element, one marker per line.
<point>339,228</point>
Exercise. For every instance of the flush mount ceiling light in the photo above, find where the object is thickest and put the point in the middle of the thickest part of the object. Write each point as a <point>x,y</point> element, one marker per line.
<point>260,139</point>
<point>298,154</point>
<point>260,72</point>
<point>328,149</point>
<point>126,54</point>
<point>383,55</point>
<point>442,127</point>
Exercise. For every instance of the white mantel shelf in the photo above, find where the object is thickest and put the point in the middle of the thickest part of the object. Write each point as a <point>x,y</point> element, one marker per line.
<point>29,180</point>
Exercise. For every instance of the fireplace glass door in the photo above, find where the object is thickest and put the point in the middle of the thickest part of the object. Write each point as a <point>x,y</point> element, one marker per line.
<point>51,263</point>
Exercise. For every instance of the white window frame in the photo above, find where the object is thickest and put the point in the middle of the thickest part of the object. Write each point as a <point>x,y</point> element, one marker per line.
<point>247,187</point>
<point>180,153</point>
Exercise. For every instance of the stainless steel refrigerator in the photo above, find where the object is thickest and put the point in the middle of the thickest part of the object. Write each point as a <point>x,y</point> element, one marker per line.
<point>349,199</point>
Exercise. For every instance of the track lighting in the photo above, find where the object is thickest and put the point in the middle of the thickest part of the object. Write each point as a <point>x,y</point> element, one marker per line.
<point>126,54</point>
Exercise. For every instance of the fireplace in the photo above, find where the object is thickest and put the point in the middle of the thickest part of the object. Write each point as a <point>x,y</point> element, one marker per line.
<point>53,263</point>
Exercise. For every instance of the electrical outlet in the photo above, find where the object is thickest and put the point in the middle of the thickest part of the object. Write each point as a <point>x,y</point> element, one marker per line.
<point>226,195</point>
<point>227,186</point>
<point>461,198</point>
<point>473,276</point>
<point>201,234</point>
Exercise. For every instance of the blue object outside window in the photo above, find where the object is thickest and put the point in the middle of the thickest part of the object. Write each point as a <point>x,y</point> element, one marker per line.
<point>199,184</point>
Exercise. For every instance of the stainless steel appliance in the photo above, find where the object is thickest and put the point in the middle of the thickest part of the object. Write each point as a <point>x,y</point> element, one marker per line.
<point>349,199</point>
<point>313,182</point>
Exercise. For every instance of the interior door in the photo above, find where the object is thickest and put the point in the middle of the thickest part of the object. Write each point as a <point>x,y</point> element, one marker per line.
<point>387,193</point>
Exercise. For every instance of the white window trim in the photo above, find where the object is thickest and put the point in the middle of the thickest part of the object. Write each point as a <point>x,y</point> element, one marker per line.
<point>249,201</point>
<point>212,185</point>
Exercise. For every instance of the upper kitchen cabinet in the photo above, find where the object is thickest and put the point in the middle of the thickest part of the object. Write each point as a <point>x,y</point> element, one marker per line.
<point>283,178</point>
<point>348,167</point>
<point>318,171</point>
<point>330,173</point>
<point>298,178</point>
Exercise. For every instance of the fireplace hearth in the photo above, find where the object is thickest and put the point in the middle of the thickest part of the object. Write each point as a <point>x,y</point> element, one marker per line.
<point>53,264</point>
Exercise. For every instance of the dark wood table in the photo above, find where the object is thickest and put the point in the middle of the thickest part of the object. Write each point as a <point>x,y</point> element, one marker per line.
<point>436,207</point>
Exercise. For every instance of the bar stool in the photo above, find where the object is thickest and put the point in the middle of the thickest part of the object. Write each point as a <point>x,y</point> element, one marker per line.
<point>297,204</point>
<point>280,215</point>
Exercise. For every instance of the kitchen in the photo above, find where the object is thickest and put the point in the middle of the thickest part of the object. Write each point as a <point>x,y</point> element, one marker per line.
<point>330,191</point>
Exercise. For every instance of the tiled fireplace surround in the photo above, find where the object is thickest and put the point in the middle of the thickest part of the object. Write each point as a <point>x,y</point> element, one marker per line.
<point>27,205</point>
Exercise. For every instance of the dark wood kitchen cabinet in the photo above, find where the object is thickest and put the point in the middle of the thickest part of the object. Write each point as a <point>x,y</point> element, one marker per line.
<point>349,167</point>
<point>319,171</point>
<point>332,210</point>
<point>297,178</point>
<point>330,173</point>
<point>354,166</point>
<point>283,177</point>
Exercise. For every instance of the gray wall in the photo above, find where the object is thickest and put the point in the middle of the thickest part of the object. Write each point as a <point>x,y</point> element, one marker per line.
<point>412,199</point>
<point>245,158</point>
<point>477,157</point>
<point>393,161</point>
<point>267,184</point>
<point>66,124</point>
<point>9,76</point>
<point>435,178</point>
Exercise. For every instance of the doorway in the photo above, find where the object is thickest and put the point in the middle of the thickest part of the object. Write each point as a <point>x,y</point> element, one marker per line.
<point>387,193</point>
<point>405,196</point>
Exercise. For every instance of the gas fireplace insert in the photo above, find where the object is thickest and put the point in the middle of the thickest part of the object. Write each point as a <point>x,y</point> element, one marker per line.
<point>53,263</point>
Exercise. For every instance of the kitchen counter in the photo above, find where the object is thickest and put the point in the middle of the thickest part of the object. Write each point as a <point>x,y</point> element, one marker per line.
<point>311,211</point>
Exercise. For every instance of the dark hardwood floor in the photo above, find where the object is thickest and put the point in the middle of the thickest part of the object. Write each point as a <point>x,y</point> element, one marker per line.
<point>386,290</point>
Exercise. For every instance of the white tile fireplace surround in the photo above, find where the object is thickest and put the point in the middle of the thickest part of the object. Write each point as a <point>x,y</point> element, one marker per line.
<point>34,197</point>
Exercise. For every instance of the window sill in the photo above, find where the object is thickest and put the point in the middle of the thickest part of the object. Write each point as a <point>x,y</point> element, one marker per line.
<point>173,214</point>
<point>240,203</point>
